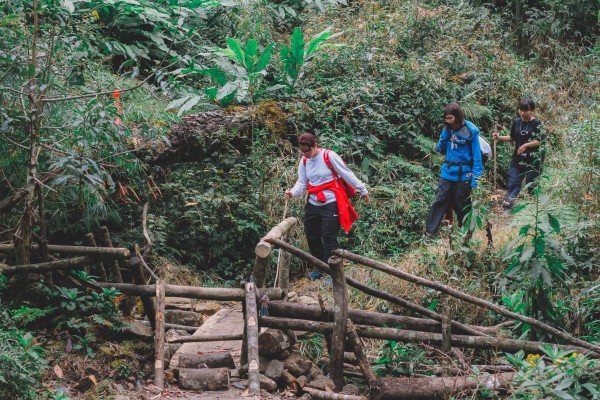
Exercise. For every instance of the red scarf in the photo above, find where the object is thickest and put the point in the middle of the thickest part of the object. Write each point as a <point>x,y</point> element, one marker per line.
<point>346,212</point>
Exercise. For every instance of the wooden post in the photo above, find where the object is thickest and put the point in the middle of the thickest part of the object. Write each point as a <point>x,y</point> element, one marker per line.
<point>340,315</point>
<point>283,268</point>
<point>114,264</point>
<point>91,241</point>
<point>159,336</point>
<point>138,278</point>
<point>263,250</point>
<point>361,357</point>
<point>446,326</point>
<point>252,340</point>
<point>325,318</point>
<point>244,352</point>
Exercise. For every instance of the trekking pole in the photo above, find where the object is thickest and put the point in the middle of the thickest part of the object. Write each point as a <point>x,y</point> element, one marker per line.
<point>285,208</point>
<point>495,157</point>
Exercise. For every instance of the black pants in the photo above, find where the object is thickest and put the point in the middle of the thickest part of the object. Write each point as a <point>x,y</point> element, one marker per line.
<point>516,173</point>
<point>321,226</point>
<point>449,193</point>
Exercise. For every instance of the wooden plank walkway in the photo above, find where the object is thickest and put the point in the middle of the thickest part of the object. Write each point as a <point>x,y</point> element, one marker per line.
<point>224,321</point>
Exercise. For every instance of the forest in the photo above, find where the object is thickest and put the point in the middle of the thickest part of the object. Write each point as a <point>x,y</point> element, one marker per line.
<point>168,130</point>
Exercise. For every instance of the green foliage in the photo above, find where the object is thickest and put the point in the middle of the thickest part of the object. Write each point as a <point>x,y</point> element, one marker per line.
<point>295,57</point>
<point>85,316</point>
<point>555,375</point>
<point>539,263</point>
<point>397,359</point>
<point>22,360</point>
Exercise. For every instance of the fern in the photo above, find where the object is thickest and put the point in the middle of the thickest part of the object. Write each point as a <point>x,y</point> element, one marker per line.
<point>26,315</point>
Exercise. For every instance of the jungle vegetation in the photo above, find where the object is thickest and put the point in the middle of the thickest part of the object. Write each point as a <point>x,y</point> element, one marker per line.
<point>91,91</point>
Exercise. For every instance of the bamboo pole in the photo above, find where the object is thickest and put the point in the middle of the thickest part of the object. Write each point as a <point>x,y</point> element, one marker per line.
<point>205,338</point>
<point>159,336</point>
<point>373,292</point>
<point>361,357</point>
<point>190,292</point>
<point>463,296</point>
<point>114,264</point>
<point>138,278</point>
<point>252,340</point>
<point>71,263</point>
<point>91,242</point>
<point>92,251</point>
<point>340,317</point>
<point>263,250</point>
<point>362,317</point>
<point>472,342</point>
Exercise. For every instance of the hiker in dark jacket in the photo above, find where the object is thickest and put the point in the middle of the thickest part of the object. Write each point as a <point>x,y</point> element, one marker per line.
<point>526,132</point>
<point>327,206</point>
<point>459,142</point>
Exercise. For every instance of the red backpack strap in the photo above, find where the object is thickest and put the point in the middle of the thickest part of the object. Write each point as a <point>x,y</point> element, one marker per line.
<point>326,159</point>
<point>304,160</point>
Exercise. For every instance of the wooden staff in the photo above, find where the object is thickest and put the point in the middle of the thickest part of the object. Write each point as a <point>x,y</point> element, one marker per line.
<point>495,158</point>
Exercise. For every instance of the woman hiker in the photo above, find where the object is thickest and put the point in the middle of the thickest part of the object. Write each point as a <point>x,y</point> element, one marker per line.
<point>526,132</point>
<point>459,142</point>
<point>327,205</point>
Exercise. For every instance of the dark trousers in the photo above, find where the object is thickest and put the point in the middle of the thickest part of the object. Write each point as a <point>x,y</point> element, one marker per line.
<point>455,194</point>
<point>515,180</point>
<point>321,226</point>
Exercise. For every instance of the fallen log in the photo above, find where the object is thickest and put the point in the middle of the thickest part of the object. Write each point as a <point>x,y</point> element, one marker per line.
<point>321,394</point>
<point>201,135</point>
<point>204,379</point>
<point>208,360</point>
<point>205,338</point>
<point>186,328</point>
<point>362,317</point>
<point>434,388</point>
<point>473,342</point>
<point>190,292</point>
<point>101,252</point>
<point>71,263</point>
<point>272,342</point>
<point>468,298</point>
<point>371,291</point>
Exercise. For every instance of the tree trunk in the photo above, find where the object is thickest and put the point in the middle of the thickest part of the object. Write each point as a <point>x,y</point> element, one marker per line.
<point>208,360</point>
<point>252,340</point>
<point>434,388</point>
<point>204,379</point>
<point>201,135</point>
<point>159,336</point>
<point>340,318</point>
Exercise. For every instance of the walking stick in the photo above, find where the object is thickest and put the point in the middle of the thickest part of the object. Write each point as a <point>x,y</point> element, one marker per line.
<point>495,157</point>
<point>280,250</point>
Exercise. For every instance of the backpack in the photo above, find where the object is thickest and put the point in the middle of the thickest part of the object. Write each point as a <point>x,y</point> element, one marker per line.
<point>486,150</point>
<point>350,191</point>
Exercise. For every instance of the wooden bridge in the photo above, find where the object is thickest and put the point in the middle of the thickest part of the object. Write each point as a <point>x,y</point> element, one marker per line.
<point>236,331</point>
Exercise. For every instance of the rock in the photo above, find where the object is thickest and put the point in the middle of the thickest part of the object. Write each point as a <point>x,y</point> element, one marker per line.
<point>181,317</point>
<point>307,300</point>
<point>274,369</point>
<point>351,390</point>
<point>178,303</point>
<point>267,383</point>
<point>297,365</point>
<point>314,372</point>
<point>321,382</point>
<point>207,309</point>
<point>292,297</point>
<point>139,328</point>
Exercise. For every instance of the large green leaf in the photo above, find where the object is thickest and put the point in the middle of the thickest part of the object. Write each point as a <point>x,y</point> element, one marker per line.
<point>554,223</point>
<point>297,46</point>
<point>251,54</point>
<point>236,47</point>
<point>319,38</point>
<point>264,59</point>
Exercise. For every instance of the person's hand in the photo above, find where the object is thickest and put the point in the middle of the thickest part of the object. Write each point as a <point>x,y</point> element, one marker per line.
<point>288,194</point>
<point>366,197</point>
<point>495,135</point>
<point>521,149</point>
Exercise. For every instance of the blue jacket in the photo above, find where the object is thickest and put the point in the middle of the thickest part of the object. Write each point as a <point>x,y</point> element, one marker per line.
<point>463,154</point>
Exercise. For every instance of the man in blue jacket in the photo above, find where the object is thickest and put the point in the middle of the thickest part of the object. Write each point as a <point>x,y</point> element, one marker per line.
<point>459,142</point>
